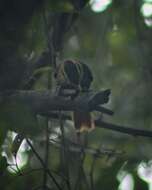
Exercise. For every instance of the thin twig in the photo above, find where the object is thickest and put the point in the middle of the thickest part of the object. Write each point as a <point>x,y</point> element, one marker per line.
<point>46,155</point>
<point>92,172</point>
<point>43,164</point>
<point>74,147</point>
<point>80,169</point>
<point>64,150</point>
<point>82,155</point>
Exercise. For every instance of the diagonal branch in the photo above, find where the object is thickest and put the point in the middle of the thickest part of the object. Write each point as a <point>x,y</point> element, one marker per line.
<point>44,165</point>
<point>123,129</point>
<point>110,126</point>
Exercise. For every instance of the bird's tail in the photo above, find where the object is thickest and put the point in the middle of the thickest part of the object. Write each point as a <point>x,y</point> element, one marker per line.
<point>83,121</point>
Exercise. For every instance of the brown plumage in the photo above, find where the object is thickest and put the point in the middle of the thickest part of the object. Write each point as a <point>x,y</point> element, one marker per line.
<point>83,121</point>
<point>78,75</point>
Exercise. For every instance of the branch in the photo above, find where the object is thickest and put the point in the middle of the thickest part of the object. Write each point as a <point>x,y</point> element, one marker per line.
<point>43,164</point>
<point>98,98</point>
<point>122,129</point>
<point>42,61</point>
<point>43,101</point>
<point>104,110</point>
<point>28,78</point>
<point>102,124</point>
<point>74,147</point>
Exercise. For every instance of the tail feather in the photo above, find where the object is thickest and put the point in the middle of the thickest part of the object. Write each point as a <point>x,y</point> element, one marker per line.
<point>83,121</point>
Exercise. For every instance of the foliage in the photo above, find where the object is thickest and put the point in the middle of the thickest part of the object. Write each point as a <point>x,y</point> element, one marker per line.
<point>116,44</point>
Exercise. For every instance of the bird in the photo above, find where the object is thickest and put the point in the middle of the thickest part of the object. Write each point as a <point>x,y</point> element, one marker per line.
<point>74,74</point>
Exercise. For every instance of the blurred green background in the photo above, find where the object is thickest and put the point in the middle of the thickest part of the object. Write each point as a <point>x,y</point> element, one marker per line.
<point>114,37</point>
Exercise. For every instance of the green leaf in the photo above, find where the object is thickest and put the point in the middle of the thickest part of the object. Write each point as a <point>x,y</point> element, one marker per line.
<point>16,144</point>
<point>3,164</point>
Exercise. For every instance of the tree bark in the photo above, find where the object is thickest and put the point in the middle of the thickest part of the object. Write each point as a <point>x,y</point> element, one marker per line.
<point>45,101</point>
